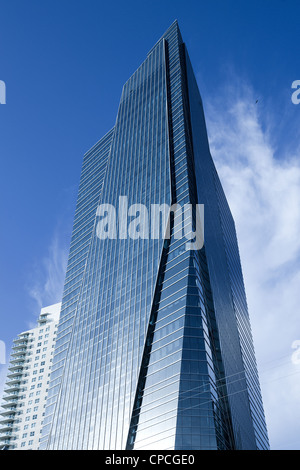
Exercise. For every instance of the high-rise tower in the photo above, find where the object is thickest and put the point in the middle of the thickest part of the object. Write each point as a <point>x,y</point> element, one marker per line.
<point>154,346</point>
<point>27,382</point>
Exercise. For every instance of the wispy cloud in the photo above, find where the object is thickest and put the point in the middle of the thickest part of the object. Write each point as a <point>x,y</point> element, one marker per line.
<point>47,278</point>
<point>263,190</point>
<point>45,284</point>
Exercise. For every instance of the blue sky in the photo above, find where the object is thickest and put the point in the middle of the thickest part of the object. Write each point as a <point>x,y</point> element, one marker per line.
<point>64,64</point>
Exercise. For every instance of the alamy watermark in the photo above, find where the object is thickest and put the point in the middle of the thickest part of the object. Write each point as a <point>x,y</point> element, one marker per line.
<point>2,92</point>
<point>296,354</point>
<point>2,352</point>
<point>139,222</point>
<point>296,95</point>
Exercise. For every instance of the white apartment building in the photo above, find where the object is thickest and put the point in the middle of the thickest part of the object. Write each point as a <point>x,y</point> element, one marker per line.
<point>26,387</point>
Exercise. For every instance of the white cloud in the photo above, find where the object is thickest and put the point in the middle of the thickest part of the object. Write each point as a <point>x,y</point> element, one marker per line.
<point>47,279</point>
<point>45,286</point>
<point>263,191</point>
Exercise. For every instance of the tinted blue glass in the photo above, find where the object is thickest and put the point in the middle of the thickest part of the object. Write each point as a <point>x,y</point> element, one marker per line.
<point>227,287</point>
<point>112,314</point>
<point>91,183</point>
<point>154,346</point>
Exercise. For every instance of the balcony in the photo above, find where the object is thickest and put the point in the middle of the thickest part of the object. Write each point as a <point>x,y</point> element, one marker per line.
<point>7,419</point>
<point>7,427</point>
<point>15,365</point>
<point>7,410</point>
<point>14,373</point>
<point>5,445</point>
<point>20,341</point>
<point>12,388</point>
<point>20,358</point>
<point>14,380</point>
<point>10,395</point>
<point>9,402</point>
<point>19,350</point>
<point>7,434</point>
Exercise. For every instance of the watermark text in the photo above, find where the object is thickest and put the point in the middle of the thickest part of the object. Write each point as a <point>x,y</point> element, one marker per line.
<point>2,352</point>
<point>296,354</point>
<point>296,95</point>
<point>2,92</point>
<point>139,222</point>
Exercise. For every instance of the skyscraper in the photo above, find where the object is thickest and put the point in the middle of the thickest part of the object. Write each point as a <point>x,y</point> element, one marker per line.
<point>154,346</point>
<point>27,383</point>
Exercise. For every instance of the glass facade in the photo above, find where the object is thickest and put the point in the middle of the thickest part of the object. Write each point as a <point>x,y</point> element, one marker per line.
<point>154,346</point>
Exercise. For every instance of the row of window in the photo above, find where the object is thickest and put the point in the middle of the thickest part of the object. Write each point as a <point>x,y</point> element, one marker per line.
<point>27,426</point>
<point>34,409</point>
<point>41,336</point>
<point>30,443</point>
<point>32,433</point>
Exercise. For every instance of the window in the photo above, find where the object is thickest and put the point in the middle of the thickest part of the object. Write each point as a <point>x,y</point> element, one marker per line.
<point>24,435</point>
<point>23,444</point>
<point>32,433</point>
<point>34,417</point>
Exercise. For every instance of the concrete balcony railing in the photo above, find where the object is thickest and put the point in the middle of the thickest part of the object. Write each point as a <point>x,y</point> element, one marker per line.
<point>19,350</point>
<point>7,427</point>
<point>7,419</point>
<point>15,365</point>
<point>10,395</point>
<point>19,358</point>
<point>21,341</point>
<point>7,410</point>
<point>12,387</point>
<point>7,434</point>
<point>14,373</point>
